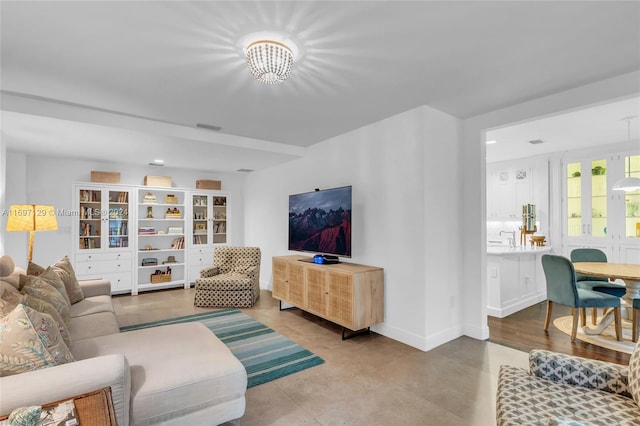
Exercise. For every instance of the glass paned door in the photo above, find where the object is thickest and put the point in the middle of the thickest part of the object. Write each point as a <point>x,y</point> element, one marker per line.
<point>574,200</point>
<point>632,199</point>
<point>118,219</point>
<point>599,198</point>
<point>200,220</point>
<point>90,223</point>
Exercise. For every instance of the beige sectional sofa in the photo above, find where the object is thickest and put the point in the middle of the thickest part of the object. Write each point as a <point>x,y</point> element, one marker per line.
<point>169,375</point>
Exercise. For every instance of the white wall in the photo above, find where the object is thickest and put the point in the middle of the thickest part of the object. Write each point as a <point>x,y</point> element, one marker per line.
<point>45,180</point>
<point>397,203</point>
<point>3,182</point>
<point>473,222</point>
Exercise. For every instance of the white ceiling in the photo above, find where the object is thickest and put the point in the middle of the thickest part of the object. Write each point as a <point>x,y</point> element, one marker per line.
<point>136,77</point>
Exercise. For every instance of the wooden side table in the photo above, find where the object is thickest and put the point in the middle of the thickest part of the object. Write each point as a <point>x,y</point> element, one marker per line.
<point>92,409</point>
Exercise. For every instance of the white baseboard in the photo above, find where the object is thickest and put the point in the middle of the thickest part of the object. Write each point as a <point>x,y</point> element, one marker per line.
<point>516,306</point>
<point>424,343</point>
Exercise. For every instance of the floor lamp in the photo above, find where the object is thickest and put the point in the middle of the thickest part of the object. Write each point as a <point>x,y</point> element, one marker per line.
<point>31,217</point>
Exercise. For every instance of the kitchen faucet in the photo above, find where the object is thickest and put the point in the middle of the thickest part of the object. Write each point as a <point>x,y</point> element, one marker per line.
<point>512,240</point>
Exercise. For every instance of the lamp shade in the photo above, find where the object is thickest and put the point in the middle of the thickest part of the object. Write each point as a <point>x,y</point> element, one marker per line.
<point>627,184</point>
<point>32,217</point>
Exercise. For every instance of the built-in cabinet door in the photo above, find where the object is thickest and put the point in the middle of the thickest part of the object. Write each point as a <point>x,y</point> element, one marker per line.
<point>597,216</point>
<point>508,189</point>
<point>103,218</point>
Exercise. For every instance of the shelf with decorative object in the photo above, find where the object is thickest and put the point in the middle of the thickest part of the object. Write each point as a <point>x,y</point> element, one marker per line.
<point>209,228</point>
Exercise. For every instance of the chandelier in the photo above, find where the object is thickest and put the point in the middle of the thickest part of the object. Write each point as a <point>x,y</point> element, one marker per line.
<point>269,61</point>
<point>628,183</point>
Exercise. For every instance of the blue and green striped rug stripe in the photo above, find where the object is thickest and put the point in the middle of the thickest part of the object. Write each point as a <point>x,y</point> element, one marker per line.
<point>265,354</point>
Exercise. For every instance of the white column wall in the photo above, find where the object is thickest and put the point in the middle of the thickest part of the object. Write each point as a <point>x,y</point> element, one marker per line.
<point>385,163</point>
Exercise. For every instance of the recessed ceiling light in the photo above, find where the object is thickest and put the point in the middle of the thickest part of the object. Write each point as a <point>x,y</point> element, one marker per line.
<point>491,142</point>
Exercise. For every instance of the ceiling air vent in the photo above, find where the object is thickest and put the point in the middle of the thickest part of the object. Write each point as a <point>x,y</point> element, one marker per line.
<point>536,142</point>
<point>209,127</point>
<point>244,170</point>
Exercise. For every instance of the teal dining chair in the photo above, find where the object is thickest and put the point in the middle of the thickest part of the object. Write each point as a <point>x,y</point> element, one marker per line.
<point>562,288</point>
<point>594,283</point>
<point>635,320</point>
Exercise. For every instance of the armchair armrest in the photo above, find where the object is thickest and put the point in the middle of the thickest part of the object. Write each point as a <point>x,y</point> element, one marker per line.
<point>573,370</point>
<point>252,271</point>
<point>209,271</point>
<point>97,287</point>
<point>68,380</point>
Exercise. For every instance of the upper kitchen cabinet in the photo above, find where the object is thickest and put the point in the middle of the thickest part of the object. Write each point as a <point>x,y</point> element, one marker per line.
<point>508,189</point>
<point>595,215</point>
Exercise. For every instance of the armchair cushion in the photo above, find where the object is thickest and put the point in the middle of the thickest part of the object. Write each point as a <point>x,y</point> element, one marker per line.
<point>576,371</point>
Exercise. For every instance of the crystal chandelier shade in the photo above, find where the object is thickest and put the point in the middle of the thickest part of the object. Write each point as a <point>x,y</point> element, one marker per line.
<point>269,61</point>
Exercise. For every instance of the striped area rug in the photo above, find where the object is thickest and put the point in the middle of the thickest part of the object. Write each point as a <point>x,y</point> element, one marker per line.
<point>265,354</point>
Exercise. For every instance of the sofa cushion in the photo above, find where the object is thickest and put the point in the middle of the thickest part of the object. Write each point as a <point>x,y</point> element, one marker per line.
<point>40,288</point>
<point>88,326</point>
<point>91,305</point>
<point>30,340</point>
<point>634,374</point>
<point>176,370</point>
<point>526,400</point>
<point>9,301</point>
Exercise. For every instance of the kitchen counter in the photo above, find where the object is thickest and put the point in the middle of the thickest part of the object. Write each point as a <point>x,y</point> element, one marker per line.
<point>519,250</point>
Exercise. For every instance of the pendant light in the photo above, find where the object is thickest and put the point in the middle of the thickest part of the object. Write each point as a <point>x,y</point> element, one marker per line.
<point>629,183</point>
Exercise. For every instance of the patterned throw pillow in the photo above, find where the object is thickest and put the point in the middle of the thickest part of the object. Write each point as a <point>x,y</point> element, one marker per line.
<point>37,287</point>
<point>66,273</point>
<point>34,269</point>
<point>53,278</point>
<point>9,301</point>
<point>634,374</point>
<point>25,416</point>
<point>30,341</point>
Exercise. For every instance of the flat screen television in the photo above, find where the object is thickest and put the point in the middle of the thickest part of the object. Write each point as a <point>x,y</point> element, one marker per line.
<point>320,222</point>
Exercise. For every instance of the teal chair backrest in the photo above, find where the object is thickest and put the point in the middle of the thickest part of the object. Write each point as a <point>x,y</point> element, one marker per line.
<point>588,255</point>
<point>561,280</point>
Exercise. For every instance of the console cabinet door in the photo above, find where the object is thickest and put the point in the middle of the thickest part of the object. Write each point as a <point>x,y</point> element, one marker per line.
<point>340,303</point>
<point>296,281</point>
<point>316,291</point>
<point>280,280</point>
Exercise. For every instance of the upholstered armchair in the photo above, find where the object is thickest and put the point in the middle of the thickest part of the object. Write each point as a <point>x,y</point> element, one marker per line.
<point>232,281</point>
<point>564,389</point>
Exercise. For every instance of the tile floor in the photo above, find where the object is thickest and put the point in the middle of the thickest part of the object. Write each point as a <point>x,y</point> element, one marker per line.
<point>367,380</point>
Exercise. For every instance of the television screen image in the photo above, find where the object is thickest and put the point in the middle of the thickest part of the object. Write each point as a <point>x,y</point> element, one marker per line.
<point>320,222</point>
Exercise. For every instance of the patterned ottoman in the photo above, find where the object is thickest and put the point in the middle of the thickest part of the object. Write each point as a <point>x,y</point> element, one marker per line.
<point>567,390</point>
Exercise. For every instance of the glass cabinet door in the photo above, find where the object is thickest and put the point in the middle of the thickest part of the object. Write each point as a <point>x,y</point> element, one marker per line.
<point>118,218</point>
<point>587,198</point>
<point>598,172</point>
<point>632,199</point>
<point>574,200</point>
<point>200,220</point>
<point>90,220</point>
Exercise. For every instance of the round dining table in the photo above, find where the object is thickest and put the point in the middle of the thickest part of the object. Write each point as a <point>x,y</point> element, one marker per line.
<point>629,273</point>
